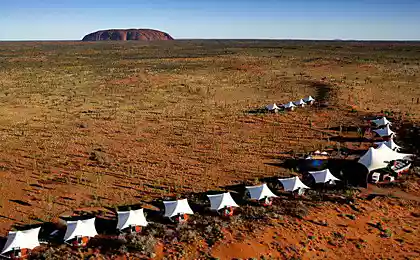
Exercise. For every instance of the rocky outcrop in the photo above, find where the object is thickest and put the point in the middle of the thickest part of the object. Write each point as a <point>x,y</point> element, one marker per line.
<point>128,35</point>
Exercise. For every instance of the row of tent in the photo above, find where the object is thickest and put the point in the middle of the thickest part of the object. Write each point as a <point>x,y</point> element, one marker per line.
<point>386,151</point>
<point>291,105</point>
<point>384,130</point>
<point>79,232</point>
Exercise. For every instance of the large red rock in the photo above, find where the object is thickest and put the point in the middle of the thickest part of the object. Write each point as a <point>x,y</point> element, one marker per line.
<point>128,35</point>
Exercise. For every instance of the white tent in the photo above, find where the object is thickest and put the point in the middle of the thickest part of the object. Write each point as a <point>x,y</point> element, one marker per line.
<point>380,157</point>
<point>323,176</point>
<point>173,208</point>
<point>22,239</point>
<point>391,154</point>
<point>324,153</point>
<point>289,105</point>
<point>80,228</point>
<point>260,192</point>
<point>386,131</point>
<point>300,103</point>
<point>381,121</point>
<point>131,218</point>
<point>317,152</point>
<point>292,184</point>
<point>391,144</point>
<point>272,107</point>
<point>219,201</point>
<point>309,99</point>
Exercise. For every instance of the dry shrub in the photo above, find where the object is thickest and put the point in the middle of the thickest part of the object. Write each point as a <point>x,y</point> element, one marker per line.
<point>138,243</point>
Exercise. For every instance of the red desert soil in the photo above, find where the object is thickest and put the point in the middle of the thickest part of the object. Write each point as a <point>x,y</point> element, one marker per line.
<point>343,238</point>
<point>98,125</point>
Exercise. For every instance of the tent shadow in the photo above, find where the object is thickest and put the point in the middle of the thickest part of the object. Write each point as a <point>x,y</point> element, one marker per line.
<point>256,111</point>
<point>350,172</point>
<point>106,226</point>
<point>350,139</point>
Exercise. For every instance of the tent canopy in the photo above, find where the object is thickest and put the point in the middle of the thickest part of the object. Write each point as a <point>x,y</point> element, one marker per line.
<point>323,176</point>
<point>391,155</point>
<point>386,131</point>
<point>390,143</point>
<point>381,121</point>
<point>260,192</point>
<point>292,184</point>
<point>289,105</point>
<point>219,201</point>
<point>131,218</point>
<point>80,228</point>
<point>173,208</point>
<point>380,157</point>
<point>308,99</point>
<point>272,107</point>
<point>300,102</point>
<point>22,239</point>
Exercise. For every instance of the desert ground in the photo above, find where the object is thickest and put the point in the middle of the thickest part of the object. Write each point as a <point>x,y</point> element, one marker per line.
<point>88,127</point>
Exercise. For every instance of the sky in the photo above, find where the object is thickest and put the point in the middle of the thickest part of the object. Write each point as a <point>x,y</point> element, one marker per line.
<point>216,19</point>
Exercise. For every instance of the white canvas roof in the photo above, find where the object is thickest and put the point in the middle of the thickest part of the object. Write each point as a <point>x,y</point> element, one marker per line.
<point>380,157</point>
<point>260,192</point>
<point>131,218</point>
<point>291,184</point>
<point>173,208</point>
<point>391,154</point>
<point>219,201</point>
<point>272,107</point>
<point>300,102</point>
<point>289,105</point>
<point>381,121</point>
<point>323,176</point>
<point>317,152</point>
<point>386,131</point>
<point>82,228</point>
<point>22,239</point>
<point>308,99</point>
<point>390,143</point>
<point>324,153</point>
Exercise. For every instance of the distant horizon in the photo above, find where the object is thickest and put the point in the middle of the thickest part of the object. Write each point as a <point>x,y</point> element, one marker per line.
<point>360,20</point>
<point>220,39</point>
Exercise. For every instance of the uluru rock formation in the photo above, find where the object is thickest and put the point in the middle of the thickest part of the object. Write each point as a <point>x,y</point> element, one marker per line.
<point>128,35</point>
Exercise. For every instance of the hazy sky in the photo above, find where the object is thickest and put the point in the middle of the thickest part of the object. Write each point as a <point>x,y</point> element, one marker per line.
<point>272,19</point>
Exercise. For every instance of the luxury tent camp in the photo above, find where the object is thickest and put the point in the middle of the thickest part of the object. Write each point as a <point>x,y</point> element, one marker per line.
<point>261,193</point>
<point>222,202</point>
<point>177,210</point>
<point>385,132</point>
<point>324,176</point>
<point>289,106</point>
<point>381,122</point>
<point>132,220</point>
<point>309,100</point>
<point>272,108</point>
<point>299,103</point>
<point>79,232</point>
<point>380,157</point>
<point>391,144</point>
<point>19,243</point>
<point>293,184</point>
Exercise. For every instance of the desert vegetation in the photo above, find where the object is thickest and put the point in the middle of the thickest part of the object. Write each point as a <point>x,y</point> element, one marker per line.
<point>87,127</point>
